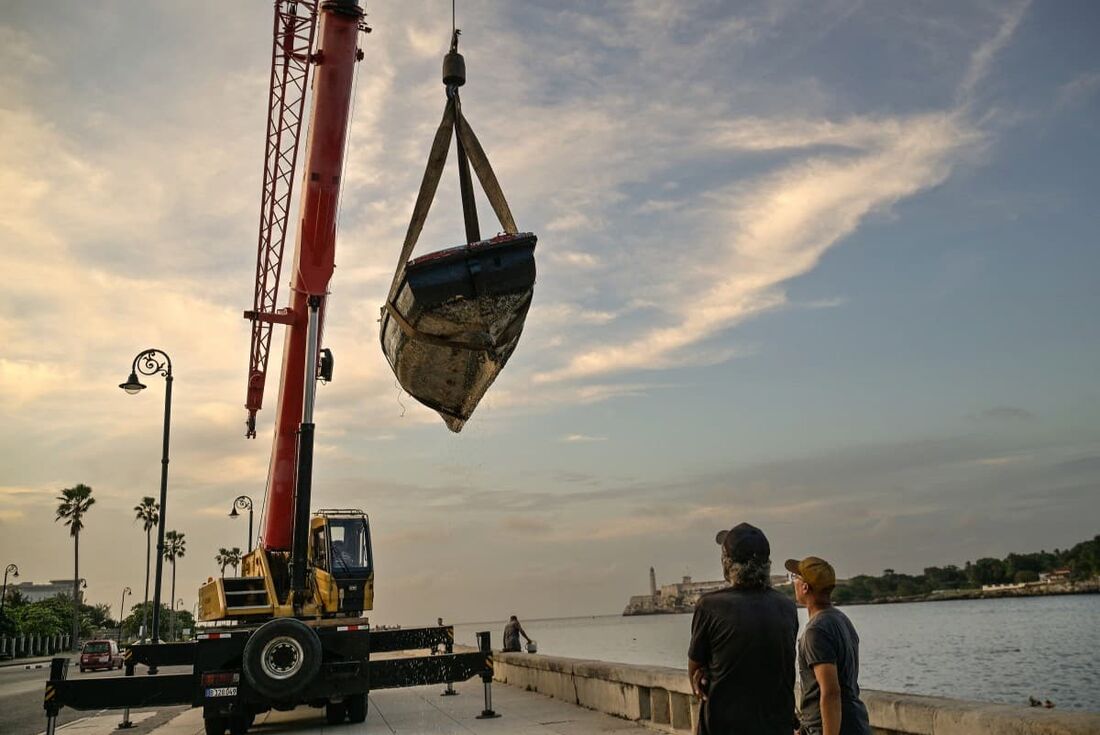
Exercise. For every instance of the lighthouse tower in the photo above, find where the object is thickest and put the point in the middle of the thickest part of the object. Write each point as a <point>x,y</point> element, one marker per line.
<point>652,583</point>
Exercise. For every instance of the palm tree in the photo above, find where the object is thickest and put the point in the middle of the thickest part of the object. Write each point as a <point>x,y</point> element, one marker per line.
<point>222,559</point>
<point>148,512</point>
<point>228,558</point>
<point>174,547</point>
<point>235,556</point>
<point>74,503</point>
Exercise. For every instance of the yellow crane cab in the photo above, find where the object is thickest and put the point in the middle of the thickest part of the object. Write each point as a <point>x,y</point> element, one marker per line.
<point>339,576</point>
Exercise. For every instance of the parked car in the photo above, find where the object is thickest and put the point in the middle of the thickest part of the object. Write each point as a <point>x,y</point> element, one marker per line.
<point>101,654</point>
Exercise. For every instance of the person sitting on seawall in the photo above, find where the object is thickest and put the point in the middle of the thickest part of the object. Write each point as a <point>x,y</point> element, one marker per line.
<point>828,656</point>
<point>742,651</point>
<point>512,631</point>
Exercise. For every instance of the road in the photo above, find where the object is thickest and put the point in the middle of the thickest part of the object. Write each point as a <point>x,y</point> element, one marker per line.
<point>21,692</point>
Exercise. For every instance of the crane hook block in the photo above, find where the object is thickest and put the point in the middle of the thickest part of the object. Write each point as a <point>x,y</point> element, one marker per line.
<point>454,69</point>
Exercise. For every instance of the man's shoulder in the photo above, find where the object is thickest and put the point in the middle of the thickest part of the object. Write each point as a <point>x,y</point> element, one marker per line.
<point>781,598</point>
<point>718,594</point>
<point>735,596</point>
<point>830,619</point>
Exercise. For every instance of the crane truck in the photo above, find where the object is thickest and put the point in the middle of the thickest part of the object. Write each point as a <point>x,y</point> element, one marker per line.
<point>290,630</point>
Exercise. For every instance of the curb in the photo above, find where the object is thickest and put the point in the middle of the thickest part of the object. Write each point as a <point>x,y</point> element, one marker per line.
<point>35,663</point>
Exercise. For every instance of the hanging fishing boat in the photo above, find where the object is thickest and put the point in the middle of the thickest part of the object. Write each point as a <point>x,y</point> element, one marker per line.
<point>453,318</point>
<point>457,319</point>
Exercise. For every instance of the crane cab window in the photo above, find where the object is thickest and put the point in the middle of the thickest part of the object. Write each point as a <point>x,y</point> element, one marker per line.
<point>351,553</point>
<point>320,549</point>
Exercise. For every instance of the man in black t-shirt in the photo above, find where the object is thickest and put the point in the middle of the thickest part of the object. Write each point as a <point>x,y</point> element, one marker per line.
<point>828,656</point>
<point>741,656</point>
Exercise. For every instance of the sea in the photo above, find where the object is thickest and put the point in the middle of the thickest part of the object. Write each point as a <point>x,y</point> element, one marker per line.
<point>1003,650</point>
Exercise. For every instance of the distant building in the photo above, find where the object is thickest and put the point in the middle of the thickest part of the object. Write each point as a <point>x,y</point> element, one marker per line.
<point>687,593</point>
<point>999,587</point>
<point>1058,575</point>
<point>34,591</point>
<point>680,596</point>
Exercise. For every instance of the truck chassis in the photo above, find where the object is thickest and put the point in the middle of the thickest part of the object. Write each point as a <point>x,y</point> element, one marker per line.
<point>241,671</point>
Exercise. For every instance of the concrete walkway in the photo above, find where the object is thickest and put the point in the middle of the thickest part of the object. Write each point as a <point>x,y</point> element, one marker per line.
<point>416,710</point>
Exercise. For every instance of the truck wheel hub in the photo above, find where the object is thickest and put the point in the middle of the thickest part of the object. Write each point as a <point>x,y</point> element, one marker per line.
<point>282,657</point>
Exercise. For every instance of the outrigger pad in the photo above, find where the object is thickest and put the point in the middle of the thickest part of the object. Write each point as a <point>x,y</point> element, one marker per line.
<point>456,319</point>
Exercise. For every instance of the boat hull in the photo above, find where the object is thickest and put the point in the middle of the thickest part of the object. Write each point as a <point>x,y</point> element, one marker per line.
<point>456,320</point>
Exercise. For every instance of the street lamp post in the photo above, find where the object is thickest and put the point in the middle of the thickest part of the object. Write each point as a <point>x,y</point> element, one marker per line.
<point>156,362</point>
<point>121,610</point>
<point>14,570</point>
<point>81,585</point>
<point>244,503</point>
<point>179,603</point>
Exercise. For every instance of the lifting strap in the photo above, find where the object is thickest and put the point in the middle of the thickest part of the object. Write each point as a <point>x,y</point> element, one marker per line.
<point>469,146</point>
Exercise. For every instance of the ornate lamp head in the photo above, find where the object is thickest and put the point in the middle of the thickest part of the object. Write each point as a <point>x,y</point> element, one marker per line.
<point>133,386</point>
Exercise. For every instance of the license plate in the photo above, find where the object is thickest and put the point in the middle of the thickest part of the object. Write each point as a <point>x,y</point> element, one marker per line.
<point>212,692</point>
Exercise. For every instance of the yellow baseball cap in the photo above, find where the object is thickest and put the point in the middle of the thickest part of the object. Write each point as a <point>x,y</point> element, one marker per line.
<point>814,570</point>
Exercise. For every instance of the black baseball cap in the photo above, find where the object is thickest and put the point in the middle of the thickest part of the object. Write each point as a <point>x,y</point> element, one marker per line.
<point>744,542</point>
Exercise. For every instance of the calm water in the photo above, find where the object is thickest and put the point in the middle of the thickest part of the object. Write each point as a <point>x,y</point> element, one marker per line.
<point>997,650</point>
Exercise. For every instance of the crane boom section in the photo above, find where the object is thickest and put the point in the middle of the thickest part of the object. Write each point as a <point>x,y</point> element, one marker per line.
<point>295,24</point>
<point>333,76</point>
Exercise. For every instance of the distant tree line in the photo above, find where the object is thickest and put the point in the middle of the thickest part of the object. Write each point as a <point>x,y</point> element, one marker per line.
<point>51,616</point>
<point>1083,561</point>
<point>55,614</point>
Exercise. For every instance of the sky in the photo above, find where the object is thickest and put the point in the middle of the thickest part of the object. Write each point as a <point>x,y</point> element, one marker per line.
<point>829,268</point>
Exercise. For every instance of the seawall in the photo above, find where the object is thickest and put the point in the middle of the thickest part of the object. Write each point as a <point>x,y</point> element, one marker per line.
<point>661,697</point>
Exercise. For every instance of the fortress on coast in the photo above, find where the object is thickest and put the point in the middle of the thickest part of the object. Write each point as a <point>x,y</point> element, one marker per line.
<point>679,597</point>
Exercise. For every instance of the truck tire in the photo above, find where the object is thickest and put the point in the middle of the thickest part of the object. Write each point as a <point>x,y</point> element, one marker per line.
<point>356,706</point>
<point>335,713</point>
<point>281,658</point>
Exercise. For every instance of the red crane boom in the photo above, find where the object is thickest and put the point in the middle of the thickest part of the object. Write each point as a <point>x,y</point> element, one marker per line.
<point>335,58</point>
<point>295,23</point>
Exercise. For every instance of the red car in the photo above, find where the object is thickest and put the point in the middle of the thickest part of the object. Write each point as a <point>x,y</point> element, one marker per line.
<point>102,654</point>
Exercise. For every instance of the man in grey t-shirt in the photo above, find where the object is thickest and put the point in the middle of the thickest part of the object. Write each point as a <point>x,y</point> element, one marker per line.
<point>828,656</point>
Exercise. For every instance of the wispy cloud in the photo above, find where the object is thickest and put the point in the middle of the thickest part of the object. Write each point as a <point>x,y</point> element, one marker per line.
<point>1078,90</point>
<point>581,438</point>
<point>981,61</point>
<point>778,227</point>
<point>1006,413</point>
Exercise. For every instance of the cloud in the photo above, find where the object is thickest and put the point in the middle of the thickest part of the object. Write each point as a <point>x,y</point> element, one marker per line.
<point>574,259</point>
<point>981,61</point>
<point>778,228</point>
<point>1078,90</point>
<point>525,524</point>
<point>1006,413</point>
<point>1003,460</point>
<point>582,438</point>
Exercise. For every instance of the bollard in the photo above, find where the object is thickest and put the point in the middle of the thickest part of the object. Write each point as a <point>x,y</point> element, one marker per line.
<point>484,646</point>
<point>449,648</point>
<point>125,724</point>
<point>59,669</point>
